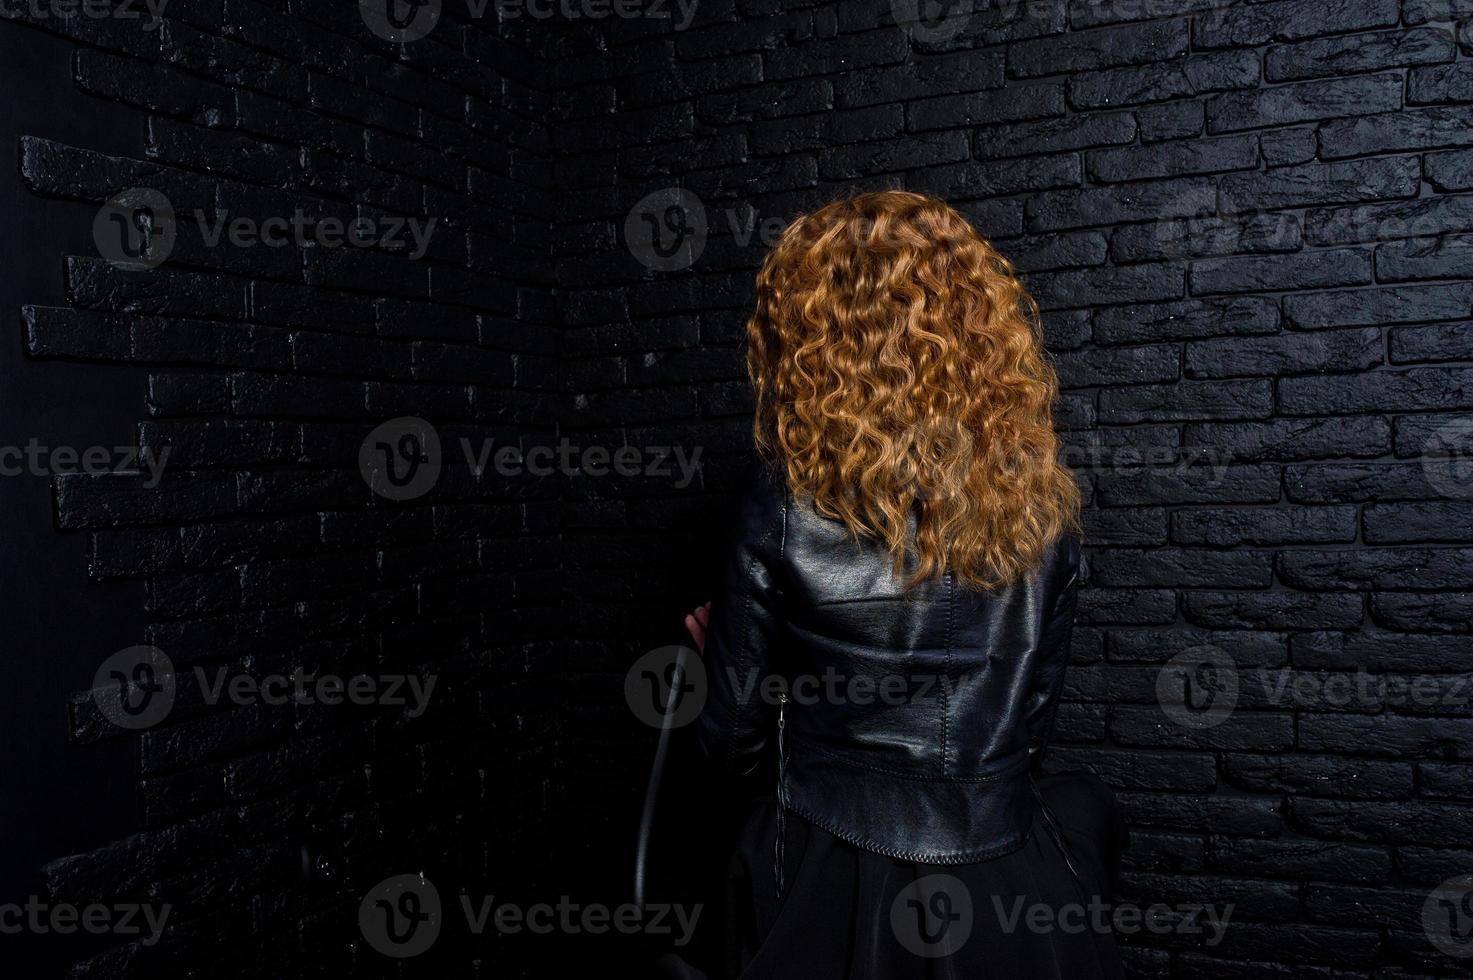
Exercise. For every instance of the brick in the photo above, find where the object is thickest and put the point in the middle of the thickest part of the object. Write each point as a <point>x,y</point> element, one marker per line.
<point>1053,136</point>
<point>1064,251</point>
<point>1219,206</point>
<point>1230,527</point>
<point>1211,317</point>
<point>1089,50</point>
<point>1294,439</point>
<point>1448,257</point>
<point>1230,27</point>
<point>1409,129</point>
<point>1450,170</point>
<point>960,181</point>
<point>1418,387</point>
<point>1380,568</point>
<point>1319,483</point>
<point>1190,485</point>
<point>1329,350</point>
<point>1155,646</point>
<point>966,71</point>
<point>863,159</point>
<point>1415,522</point>
<point>985,108</point>
<point>1133,568</point>
<point>1308,270</point>
<point>1120,365</point>
<point>1150,727</point>
<point>1416,611</point>
<point>1334,183</point>
<point>1303,101</point>
<point>1171,121</point>
<point>1376,222</point>
<point>1218,72</point>
<point>1319,776</point>
<point>1401,304</point>
<point>1093,206</point>
<point>1088,287</point>
<point>1286,147</point>
<point>1239,816</point>
<point>1273,610</point>
<point>1444,83</point>
<point>1377,652</point>
<point>1328,57</point>
<point>1207,234</point>
<point>1308,858</point>
<point>1205,156</point>
<point>1187,400</point>
<point>1415,823</point>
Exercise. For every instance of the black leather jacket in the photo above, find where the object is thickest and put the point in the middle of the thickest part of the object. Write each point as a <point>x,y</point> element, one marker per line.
<point>910,719</point>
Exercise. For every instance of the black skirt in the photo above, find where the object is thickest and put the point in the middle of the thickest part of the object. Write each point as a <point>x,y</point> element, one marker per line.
<point>844,913</point>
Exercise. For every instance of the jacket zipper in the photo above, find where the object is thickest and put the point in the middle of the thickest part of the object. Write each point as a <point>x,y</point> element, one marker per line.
<point>779,842</point>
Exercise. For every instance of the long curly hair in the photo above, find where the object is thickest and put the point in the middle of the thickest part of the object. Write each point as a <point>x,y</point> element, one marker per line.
<point>902,385</point>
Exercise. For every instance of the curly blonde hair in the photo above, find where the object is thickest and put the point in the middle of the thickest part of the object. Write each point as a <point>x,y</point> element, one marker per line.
<point>900,374</point>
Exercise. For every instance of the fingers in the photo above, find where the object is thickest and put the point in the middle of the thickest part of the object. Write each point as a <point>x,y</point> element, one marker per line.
<point>697,633</point>
<point>696,623</point>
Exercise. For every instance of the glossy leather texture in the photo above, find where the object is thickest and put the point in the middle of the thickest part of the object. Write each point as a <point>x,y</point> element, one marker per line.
<point>910,718</point>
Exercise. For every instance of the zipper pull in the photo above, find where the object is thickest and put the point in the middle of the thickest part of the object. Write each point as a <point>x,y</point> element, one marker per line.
<point>779,841</point>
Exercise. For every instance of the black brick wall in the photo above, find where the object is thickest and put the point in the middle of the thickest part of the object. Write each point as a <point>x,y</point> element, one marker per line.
<point>263,549</point>
<point>1248,225</point>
